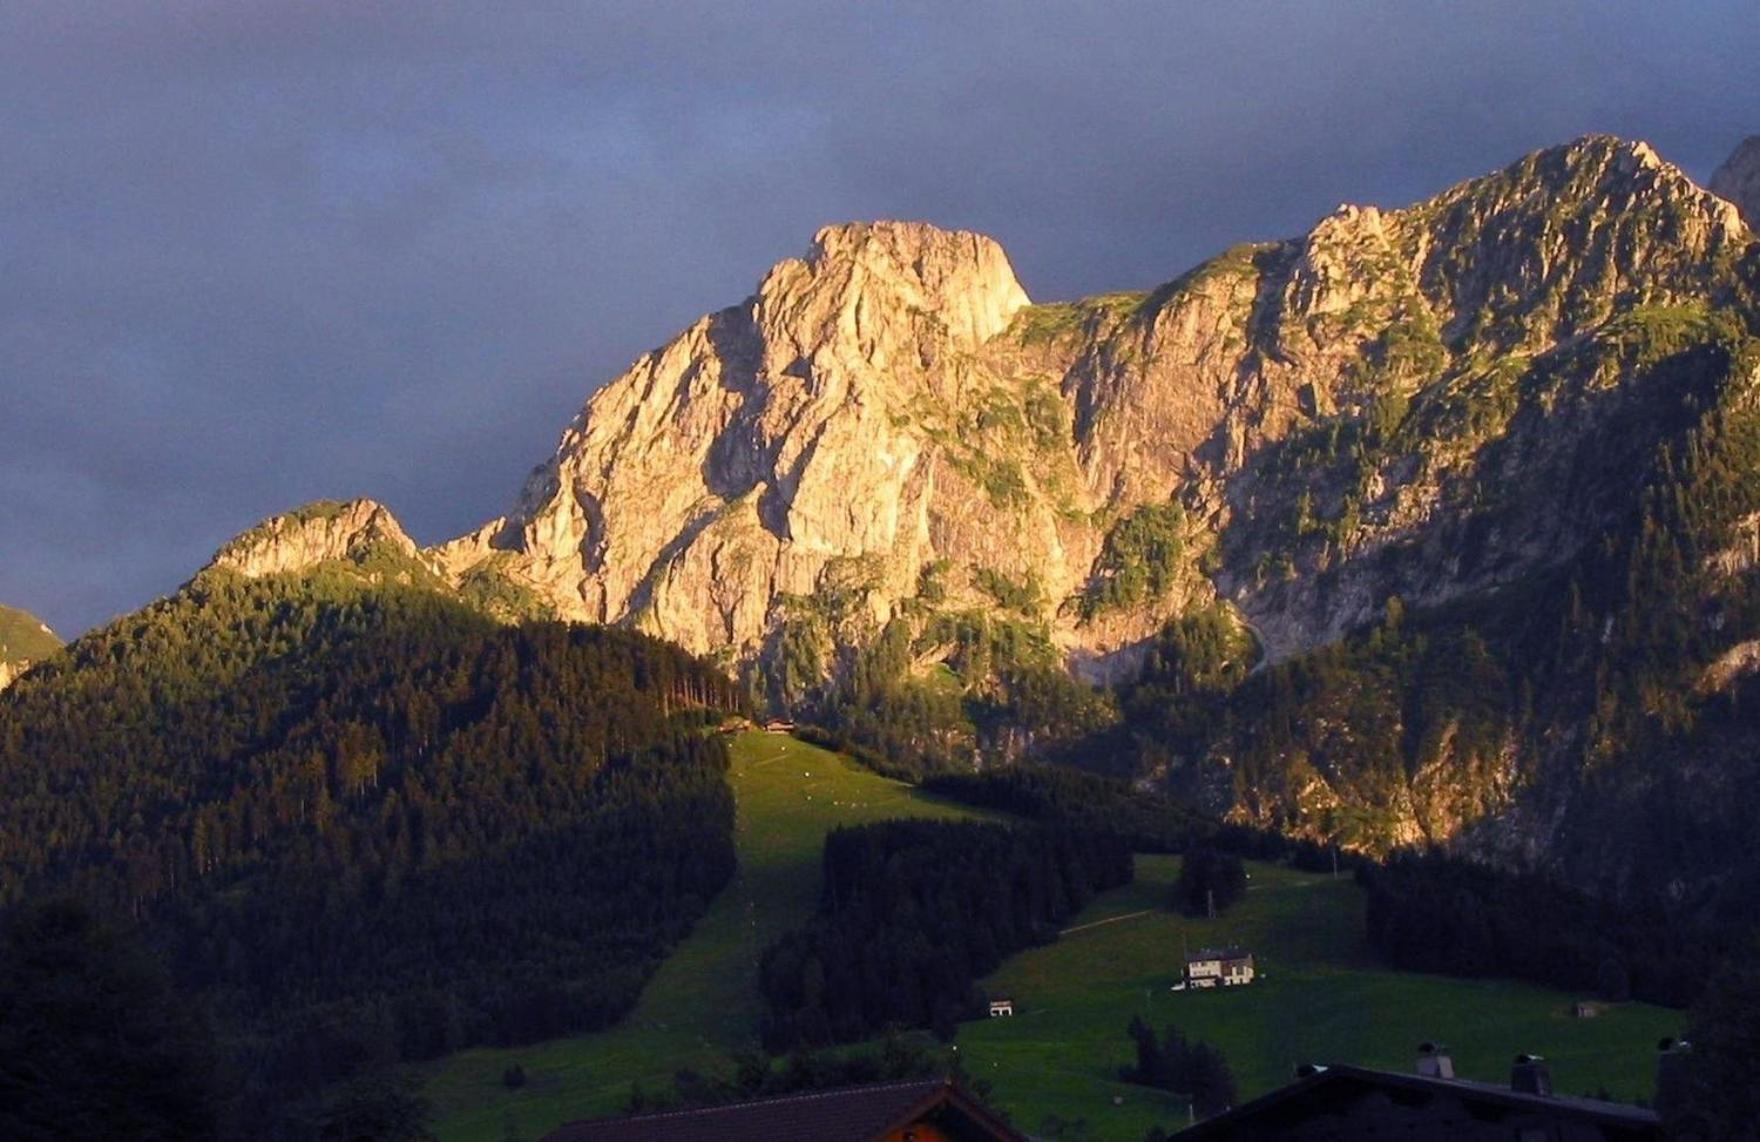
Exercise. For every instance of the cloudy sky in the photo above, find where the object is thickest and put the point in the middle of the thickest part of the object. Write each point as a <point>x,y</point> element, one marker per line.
<point>256,252</point>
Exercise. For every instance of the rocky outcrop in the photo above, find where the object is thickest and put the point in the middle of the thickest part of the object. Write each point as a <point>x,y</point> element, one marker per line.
<point>1738,179</point>
<point>775,444</point>
<point>1740,659</point>
<point>892,403</point>
<point>322,532</point>
<point>889,459</point>
<point>1428,403</point>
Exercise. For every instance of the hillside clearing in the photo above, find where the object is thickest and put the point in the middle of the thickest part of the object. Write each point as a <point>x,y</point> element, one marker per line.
<point>1320,998</point>
<point>1321,995</point>
<point>703,1002</point>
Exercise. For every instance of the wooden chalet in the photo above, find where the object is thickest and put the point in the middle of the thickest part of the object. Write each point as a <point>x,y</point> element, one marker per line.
<point>931,1110</point>
<point>1340,1103</point>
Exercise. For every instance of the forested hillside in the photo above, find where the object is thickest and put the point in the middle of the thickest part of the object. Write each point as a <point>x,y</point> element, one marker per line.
<point>1611,675</point>
<point>913,912</point>
<point>366,823</point>
<point>1433,524</point>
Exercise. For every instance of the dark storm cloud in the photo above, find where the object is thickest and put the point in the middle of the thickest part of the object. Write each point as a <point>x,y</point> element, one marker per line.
<point>253,253</point>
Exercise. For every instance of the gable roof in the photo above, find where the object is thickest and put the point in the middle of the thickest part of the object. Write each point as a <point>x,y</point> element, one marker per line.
<point>855,1113</point>
<point>1203,954</point>
<point>1248,1120</point>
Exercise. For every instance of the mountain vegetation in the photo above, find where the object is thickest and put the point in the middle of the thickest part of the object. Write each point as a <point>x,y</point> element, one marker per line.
<point>95,1041</point>
<point>1210,882</point>
<point>1172,1062</point>
<point>1432,913</point>
<point>24,637</point>
<point>1704,1089</point>
<point>1431,530</point>
<point>913,912</point>
<point>366,823</point>
<point>1431,525</point>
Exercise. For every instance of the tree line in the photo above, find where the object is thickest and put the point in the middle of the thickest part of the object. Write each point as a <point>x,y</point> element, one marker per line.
<point>364,824</point>
<point>1434,913</point>
<point>914,912</point>
<point>1171,1062</point>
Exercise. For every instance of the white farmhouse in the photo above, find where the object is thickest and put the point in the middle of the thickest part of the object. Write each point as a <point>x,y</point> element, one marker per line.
<point>1219,967</point>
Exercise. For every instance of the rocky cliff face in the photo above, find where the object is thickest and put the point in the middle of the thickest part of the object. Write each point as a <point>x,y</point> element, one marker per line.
<point>1738,179</point>
<point>892,404</point>
<point>323,532</point>
<point>889,464</point>
<point>773,445</point>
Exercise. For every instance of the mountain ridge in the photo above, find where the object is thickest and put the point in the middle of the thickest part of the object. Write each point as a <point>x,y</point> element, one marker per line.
<point>891,491</point>
<point>827,350</point>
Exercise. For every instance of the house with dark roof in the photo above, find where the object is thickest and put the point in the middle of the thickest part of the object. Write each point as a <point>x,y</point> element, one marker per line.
<point>1219,967</point>
<point>933,1110</point>
<point>1339,1103</point>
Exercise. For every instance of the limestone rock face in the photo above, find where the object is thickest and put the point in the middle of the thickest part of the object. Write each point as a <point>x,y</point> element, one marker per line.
<point>317,533</point>
<point>1738,179</point>
<point>889,458</point>
<point>766,443</point>
<point>892,401</point>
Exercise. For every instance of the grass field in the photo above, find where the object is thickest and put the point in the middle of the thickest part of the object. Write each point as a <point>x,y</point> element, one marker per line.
<point>1320,997</point>
<point>703,1002</point>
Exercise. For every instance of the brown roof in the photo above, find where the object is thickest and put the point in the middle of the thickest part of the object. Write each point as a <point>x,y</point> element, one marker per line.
<point>858,1114</point>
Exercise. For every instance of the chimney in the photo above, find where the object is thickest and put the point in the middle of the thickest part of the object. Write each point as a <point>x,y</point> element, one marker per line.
<point>1434,1061</point>
<point>1531,1075</point>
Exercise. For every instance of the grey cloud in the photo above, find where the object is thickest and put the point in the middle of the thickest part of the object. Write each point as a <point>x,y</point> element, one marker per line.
<point>254,252</point>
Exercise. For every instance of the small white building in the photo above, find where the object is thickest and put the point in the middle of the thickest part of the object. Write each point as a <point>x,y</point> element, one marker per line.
<point>1001,1007</point>
<point>1219,967</point>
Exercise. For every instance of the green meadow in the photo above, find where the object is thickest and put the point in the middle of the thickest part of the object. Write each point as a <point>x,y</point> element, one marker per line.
<point>1320,997</point>
<point>703,1003</point>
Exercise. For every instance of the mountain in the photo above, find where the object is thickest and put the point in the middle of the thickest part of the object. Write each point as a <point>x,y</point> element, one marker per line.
<point>1738,179</point>
<point>361,820</point>
<point>892,408</point>
<point>24,638</point>
<point>1432,524</point>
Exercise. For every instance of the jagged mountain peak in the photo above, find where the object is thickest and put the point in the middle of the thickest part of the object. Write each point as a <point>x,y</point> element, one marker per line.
<point>1737,181</point>
<point>766,440</point>
<point>882,289</point>
<point>891,403</point>
<point>320,532</point>
<point>1597,176</point>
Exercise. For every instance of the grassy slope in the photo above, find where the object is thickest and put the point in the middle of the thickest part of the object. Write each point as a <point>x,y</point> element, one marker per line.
<point>1321,999</point>
<point>703,1002</point>
<point>1322,996</point>
<point>24,637</point>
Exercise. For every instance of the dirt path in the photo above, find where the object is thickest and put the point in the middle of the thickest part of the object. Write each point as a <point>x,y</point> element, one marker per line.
<point>1108,920</point>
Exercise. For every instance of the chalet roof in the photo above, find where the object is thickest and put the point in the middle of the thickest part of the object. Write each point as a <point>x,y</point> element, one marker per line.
<point>1333,1084</point>
<point>1203,954</point>
<point>859,1114</point>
